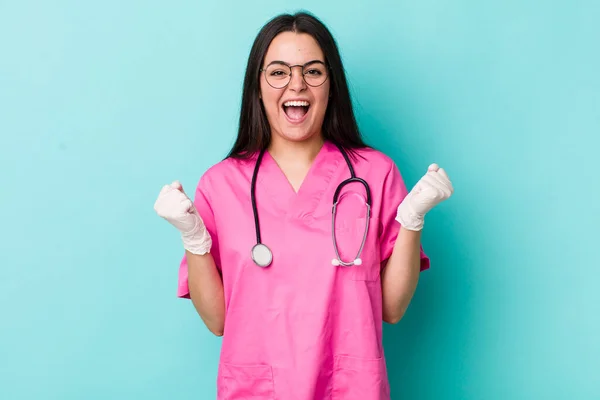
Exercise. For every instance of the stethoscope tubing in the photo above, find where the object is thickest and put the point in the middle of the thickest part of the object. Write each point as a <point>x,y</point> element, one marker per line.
<point>262,249</point>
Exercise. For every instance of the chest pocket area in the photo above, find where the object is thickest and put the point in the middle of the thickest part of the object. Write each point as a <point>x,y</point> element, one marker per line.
<point>349,235</point>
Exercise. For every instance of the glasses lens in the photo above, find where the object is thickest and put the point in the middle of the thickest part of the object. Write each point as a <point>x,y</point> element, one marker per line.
<point>278,75</point>
<point>315,74</point>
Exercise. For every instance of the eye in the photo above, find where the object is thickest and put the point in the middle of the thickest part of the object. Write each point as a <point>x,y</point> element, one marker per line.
<point>314,72</point>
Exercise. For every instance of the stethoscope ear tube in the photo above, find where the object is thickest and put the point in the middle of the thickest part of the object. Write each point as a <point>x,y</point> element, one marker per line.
<point>357,260</point>
<point>261,254</point>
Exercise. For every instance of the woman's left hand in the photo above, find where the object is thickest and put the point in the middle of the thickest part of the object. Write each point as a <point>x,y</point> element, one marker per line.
<point>433,188</point>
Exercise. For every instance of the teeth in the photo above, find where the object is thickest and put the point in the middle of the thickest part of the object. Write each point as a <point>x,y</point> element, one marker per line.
<point>296,103</point>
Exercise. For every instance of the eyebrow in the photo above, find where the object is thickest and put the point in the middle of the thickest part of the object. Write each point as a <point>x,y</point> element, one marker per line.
<point>308,62</point>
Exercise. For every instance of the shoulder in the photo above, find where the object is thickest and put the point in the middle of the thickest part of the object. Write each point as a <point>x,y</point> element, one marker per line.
<point>375,162</point>
<point>221,169</point>
<point>224,172</point>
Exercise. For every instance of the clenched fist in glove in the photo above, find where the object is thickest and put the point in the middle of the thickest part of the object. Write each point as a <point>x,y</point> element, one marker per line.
<point>175,206</point>
<point>433,188</point>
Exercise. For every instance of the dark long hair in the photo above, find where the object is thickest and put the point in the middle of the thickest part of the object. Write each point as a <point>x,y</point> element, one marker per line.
<point>339,124</point>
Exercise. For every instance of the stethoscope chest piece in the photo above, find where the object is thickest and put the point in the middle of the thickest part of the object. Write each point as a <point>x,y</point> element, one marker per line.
<point>261,255</point>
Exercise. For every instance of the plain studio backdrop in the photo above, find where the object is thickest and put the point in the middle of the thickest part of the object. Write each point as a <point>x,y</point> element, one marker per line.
<point>102,103</point>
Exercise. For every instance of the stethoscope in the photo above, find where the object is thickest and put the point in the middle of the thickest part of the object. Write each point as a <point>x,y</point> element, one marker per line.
<point>262,255</point>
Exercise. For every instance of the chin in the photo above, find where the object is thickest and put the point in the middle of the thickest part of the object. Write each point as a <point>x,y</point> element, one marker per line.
<point>306,130</point>
<point>297,135</point>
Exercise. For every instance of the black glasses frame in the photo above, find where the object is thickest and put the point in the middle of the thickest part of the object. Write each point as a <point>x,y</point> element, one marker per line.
<point>303,66</point>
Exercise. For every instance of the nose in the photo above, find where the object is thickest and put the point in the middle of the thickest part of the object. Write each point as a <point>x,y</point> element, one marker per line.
<point>297,80</point>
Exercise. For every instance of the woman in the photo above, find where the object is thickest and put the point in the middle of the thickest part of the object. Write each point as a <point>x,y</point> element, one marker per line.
<point>302,317</point>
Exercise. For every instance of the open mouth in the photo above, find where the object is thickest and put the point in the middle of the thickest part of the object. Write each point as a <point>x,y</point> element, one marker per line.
<point>296,110</point>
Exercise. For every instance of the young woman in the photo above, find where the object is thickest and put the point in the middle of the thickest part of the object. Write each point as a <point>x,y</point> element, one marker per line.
<point>303,240</point>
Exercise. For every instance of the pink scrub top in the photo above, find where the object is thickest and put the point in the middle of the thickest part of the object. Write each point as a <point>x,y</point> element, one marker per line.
<point>301,328</point>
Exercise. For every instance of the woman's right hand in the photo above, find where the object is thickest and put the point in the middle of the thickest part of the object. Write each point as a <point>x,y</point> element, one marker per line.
<point>176,207</point>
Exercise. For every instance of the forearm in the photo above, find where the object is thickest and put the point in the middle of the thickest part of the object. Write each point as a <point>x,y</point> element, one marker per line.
<point>401,274</point>
<point>206,291</point>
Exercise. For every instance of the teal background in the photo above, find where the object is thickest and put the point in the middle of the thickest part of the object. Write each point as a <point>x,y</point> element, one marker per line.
<point>101,103</point>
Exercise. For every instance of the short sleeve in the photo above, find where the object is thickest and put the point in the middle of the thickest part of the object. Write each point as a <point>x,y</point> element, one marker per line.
<point>394,191</point>
<point>203,205</point>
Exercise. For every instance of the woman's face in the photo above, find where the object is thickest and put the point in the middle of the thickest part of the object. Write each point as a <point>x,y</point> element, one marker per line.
<point>296,111</point>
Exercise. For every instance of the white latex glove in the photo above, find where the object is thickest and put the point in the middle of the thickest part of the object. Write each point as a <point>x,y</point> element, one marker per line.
<point>175,206</point>
<point>433,188</point>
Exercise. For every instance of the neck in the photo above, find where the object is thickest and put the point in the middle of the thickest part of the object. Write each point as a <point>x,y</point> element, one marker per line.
<point>303,152</point>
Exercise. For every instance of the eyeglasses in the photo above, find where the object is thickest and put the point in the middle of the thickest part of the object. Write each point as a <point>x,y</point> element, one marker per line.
<point>279,74</point>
